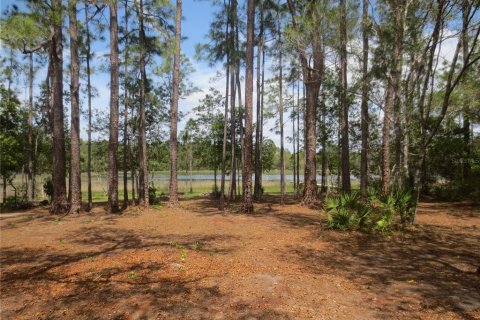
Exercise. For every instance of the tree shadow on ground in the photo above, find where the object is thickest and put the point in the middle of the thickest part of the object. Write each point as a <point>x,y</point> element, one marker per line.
<point>430,268</point>
<point>268,207</point>
<point>53,284</point>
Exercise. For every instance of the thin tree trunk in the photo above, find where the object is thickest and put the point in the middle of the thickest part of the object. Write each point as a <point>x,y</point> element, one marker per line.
<point>310,180</point>
<point>280,111</point>
<point>233,166</point>
<point>298,138</point>
<point>466,103</point>
<point>114,116</point>
<point>248,139</point>
<point>293,140</point>
<point>4,196</point>
<point>241,125</point>
<point>59,199</point>
<point>76,188</point>
<point>30,154</point>
<point>346,184</point>
<point>258,164</point>
<point>324,139</point>
<point>143,196</point>
<point>173,188</point>
<point>89,99</point>
<point>225,126</point>
<point>125,116</point>
<point>364,104</point>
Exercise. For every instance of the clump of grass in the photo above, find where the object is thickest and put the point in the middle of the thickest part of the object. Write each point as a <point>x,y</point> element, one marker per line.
<point>132,275</point>
<point>196,246</point>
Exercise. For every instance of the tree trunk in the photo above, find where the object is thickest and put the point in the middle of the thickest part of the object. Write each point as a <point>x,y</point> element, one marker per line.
<point>324,139</point>
<point>173,189</point>
<point>392,93</point>
<point>298,138</point>
<point>466,168</point>
<point>125,116</point>
<point>89,99</point>
<point>30,153</point>
<point>76,188</point>
<point>225,126</point>
<point>280,111</point>
<point>346,185</point>
<point>59,198</point>
<point>364,104</point>
<point>257,190</point>
<point>293,139</point>
<point>114,116</point>
<point>143,196</point>
<point>310,180</point>
<point>248,139</point>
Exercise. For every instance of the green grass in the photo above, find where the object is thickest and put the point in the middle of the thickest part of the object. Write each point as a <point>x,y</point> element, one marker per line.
<point>200,187</point>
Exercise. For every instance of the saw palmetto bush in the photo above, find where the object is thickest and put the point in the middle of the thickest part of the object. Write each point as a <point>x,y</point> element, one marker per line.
<point>376,212</point>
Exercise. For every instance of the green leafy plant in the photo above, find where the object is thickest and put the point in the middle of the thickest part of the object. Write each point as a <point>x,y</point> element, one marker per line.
<point>195,246</point>
<point>183,255</point>
<point>132,275</point>
<point>342,211</point>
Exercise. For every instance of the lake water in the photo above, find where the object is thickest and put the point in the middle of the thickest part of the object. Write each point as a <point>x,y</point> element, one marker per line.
<point>208,177</point>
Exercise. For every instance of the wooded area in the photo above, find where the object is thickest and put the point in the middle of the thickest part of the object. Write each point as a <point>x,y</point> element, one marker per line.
<point>342,115</point>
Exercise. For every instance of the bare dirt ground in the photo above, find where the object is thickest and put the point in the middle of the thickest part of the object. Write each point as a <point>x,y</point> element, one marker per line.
<point>197,263</point>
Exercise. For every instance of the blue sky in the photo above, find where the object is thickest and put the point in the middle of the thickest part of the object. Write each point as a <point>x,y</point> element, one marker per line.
<point>197,17</point>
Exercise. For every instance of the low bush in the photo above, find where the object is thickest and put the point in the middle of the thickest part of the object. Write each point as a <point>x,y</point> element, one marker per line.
<point>376,212</point>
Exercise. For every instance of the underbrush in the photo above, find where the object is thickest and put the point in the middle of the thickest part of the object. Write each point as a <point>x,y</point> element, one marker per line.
<point>375,212</point>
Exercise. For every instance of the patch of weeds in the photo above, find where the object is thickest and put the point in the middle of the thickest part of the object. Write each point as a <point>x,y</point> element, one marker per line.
<point>56,221</point>
<point>183,255</point>
<point>196,246</point>
<point>91,258</point>
<point>156,206</point>
<point>210,253</point>
<point>62,241</point>
<point>132,275</point>
<point>180,269</point>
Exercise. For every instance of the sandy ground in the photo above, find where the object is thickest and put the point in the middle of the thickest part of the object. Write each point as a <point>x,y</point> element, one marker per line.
<point>197,263</point>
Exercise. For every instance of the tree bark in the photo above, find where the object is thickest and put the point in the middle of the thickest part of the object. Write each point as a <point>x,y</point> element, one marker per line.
<point>280,111</point>
<point>298,138</point>
<point>30,153</point>
<point>324,139</point>
<point>143,195</point>
<point>89,99</point>
<point>112,206</point>
<point>310,180</point>
<point>248,139</point>
<point>392,91</point>
<point>233,61</point>
<point>76,188</point>
<point>125,116</point>
<point>225,126</point>
<point>312,78</point>
<point>59,198</point>
<point>364,104</point>
<point>173,188</point>
<point>294,135</point>
<point>346,184</point>
<point>257,190</point>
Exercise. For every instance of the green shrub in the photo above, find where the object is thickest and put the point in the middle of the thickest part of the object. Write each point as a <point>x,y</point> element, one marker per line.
<point>342,211</point>
<point>349,211</point>
<point>152,194</point>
